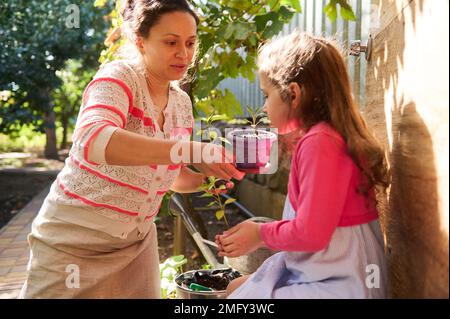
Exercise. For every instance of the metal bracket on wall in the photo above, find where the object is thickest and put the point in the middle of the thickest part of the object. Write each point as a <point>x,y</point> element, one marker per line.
<point>356,48</point>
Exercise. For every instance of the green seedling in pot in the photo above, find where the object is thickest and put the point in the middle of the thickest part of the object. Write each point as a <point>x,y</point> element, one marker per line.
<point>211,134</point>
<point>257,115</point>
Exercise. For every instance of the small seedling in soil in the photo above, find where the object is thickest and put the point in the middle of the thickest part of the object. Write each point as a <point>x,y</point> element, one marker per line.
<point>212,188</point>
<point>212,135</point>
<point>257,115</point>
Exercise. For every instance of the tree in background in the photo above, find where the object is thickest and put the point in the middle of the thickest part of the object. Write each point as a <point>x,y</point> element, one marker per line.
<point>38,38</point>
<point>67,97</point>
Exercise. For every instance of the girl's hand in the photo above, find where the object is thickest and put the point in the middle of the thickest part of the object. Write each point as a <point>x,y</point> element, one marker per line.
<point>240,240</point>
<point>220,167</point>
<point>219,243</point>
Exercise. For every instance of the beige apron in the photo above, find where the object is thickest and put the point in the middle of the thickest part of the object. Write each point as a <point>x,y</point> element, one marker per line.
<point>71,261</point>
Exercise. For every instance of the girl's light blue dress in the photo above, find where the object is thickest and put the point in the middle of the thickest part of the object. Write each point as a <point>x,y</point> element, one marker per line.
<point>352,266</point>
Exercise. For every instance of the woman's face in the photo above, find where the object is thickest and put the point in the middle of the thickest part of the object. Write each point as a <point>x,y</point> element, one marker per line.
<point>280,113</point>
<point>170,46</point>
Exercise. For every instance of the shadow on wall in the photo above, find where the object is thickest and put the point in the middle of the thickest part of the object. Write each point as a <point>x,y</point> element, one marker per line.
<point>417,245</point>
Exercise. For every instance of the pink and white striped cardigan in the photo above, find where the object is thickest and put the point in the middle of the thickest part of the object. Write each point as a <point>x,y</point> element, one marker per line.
<point>88,189</point>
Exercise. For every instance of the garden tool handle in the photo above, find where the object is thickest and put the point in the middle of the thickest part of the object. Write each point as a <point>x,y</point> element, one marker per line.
<point>211,243</point>
<point>207,253</point>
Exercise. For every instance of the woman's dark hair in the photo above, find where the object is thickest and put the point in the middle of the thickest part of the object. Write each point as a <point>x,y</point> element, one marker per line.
<point>139,16</point>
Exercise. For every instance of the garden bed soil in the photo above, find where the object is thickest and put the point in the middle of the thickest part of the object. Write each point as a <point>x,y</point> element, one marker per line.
<point>217,279</point>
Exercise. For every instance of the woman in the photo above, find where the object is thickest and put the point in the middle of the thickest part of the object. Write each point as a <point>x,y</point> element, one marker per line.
<point>94,236</point>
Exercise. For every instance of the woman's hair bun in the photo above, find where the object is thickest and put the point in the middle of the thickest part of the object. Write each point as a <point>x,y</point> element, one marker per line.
<point>127,9</point>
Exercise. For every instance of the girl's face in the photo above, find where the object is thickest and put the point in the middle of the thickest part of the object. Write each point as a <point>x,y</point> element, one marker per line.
<point>281,113</point>
<point>170,46</point>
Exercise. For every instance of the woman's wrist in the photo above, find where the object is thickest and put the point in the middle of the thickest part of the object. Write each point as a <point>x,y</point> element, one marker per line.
<point>201,179</point>
<point>196,179</point>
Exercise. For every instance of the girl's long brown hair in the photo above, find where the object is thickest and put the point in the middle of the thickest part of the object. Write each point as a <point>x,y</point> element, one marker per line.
<point>318,66</point>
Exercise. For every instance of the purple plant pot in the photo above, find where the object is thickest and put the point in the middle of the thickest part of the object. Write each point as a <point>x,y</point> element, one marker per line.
<point>251,148</point>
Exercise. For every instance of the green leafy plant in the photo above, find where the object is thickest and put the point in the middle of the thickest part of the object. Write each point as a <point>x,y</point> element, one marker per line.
<point>164,210</point>
<point>38,38</point>
<point>208,133</point>
<point>168,270</point>
<point>346,10</point>
<point>67,97</point>
<point>212,188</point>
<point>206,266</point>
<point>230,33</point>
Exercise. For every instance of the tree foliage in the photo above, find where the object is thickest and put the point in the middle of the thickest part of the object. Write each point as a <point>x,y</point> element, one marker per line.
<point>38,37</point>
<point>230,33</point>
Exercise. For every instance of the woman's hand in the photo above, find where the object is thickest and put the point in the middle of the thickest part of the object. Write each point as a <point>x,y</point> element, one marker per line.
<point>240,240</point>
<point>219,165</point>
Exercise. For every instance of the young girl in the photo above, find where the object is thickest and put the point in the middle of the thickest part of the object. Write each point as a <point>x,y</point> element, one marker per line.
<point>330,240</point>
<point>94,236</point>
